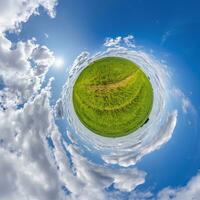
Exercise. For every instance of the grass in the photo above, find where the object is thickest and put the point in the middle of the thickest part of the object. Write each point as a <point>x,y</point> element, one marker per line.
<point>112,97</point>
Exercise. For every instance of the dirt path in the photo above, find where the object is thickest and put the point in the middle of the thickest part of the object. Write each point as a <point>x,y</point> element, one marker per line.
<point>112,86</point>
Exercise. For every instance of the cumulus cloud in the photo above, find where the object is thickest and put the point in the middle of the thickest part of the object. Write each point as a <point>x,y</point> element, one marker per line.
<point>130,158</point>
<point>13,13</point>
<point>28,170</point>
<point>188,192</point>
<point>94,179</point>
<point>21,78</point>
<point>129,41</point>
<point>26,164</point>
<point>109,42</point>
<point>76,171</point>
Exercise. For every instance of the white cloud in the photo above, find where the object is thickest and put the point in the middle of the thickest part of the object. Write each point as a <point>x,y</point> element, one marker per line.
<point>110,42</point>
<point>187,105</point>
<point>22,80</point>
<point>27,168</point>
<point>94,178</point>
<point>129,41</point>
<point>138,195</point>
<point>130,158</point>
<point>77,172</point>
<point>13,13</point>
<point>28,171</point>
<point>58,109</point>
<point>43,58</point>
<point>189,192</point>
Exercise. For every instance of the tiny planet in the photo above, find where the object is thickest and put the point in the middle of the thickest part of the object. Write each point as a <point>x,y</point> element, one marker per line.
<point>113,97</point>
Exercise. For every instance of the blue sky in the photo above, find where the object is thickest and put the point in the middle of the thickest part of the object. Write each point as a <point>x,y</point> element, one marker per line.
<point>170,29</point>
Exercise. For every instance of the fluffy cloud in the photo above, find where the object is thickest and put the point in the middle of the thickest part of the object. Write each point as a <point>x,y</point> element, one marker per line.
<point>94,179</point>
<point>140,195</point>
<point>58,109</point>
<point>129,41</point>
<point>13,13</point>
<point>131,158</point>
<point>110,42</point>
<point>188,192</point>
<point>28,170</point>
<point>21,79</point>
<point>31,169</point>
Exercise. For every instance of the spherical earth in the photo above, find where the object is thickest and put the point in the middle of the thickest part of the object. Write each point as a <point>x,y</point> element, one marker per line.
<point>113,97</point>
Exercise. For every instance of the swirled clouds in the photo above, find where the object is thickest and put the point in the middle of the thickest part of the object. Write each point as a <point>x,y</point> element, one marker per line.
<point>127,150</point>
<point>39,162</point>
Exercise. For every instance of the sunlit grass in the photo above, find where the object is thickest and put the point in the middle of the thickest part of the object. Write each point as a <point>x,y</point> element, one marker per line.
<point>113,97</point>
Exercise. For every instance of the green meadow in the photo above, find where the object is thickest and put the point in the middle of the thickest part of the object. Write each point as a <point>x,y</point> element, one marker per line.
<point>112,97</point>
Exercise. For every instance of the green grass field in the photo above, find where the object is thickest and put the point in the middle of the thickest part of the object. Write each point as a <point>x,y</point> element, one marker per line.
<point>112,97</point>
